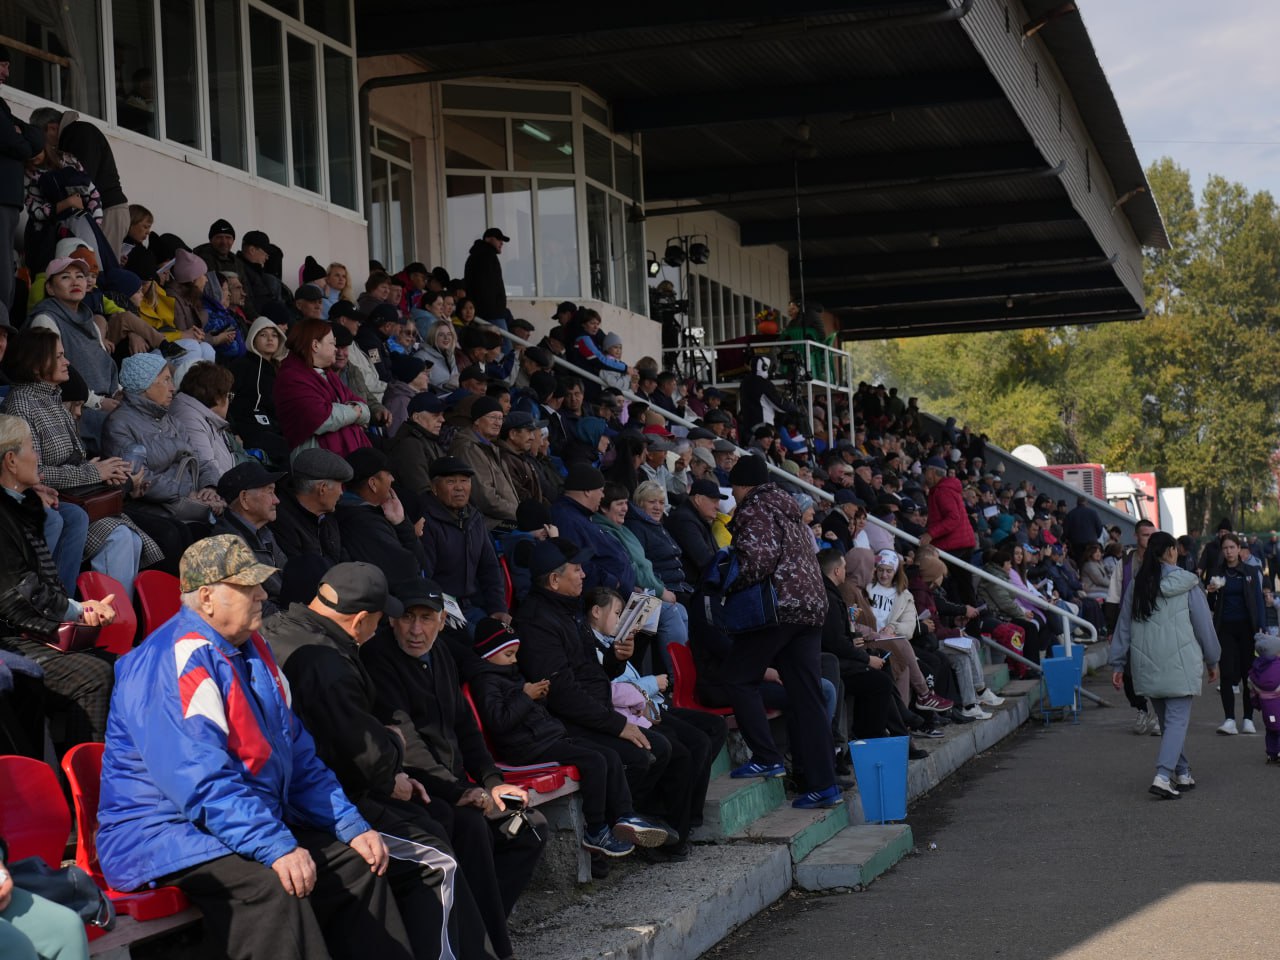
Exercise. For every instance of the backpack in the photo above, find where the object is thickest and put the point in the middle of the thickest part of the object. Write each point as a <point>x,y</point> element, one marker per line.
<point>1012,637</point>
<point>733,607</point>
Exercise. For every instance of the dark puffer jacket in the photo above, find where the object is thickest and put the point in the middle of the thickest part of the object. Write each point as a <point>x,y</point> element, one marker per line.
<point>483,279</point>
<point>32,599</point>
<point>773,544</point>
<point>663,552</point>
<point>521,729</point>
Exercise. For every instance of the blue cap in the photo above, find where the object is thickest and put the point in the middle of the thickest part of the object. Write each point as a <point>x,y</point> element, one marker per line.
<point>937,463</point>
<point>425,402</point>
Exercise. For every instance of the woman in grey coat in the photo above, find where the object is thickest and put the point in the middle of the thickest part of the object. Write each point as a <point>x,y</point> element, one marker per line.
<point>1166,631</point>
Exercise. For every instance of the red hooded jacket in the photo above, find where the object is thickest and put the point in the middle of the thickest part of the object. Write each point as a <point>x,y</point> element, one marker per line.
<point>949,526</point>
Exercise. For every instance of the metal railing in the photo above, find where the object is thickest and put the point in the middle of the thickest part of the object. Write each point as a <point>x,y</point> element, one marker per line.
<point>1050,608</point>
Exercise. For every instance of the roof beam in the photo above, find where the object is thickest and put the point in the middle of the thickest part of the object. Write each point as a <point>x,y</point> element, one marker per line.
<point>912,295</point>
<point>884,168</point>
<point>860,96</point>
<point>1040,312</point>
<point>945,259</point>
<point>754,232</point>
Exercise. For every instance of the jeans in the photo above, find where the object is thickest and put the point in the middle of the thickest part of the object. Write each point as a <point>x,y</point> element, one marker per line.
<point>65,531</point>
<point>119,558</point>
<point>673,627</point>
<point>1175,717</point>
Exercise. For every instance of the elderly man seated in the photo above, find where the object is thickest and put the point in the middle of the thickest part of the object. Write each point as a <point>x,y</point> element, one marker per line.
<point>211,783</point>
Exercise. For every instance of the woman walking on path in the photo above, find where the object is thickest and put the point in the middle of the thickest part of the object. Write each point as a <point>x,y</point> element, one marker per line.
<point>1239,613</point>
<point>1165,631</point>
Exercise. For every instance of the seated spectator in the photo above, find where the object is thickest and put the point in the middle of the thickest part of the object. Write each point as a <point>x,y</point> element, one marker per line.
<point>646,523</point>
<point>33,601</point>
<point>64,312</point>
<point>32,926</point>
<point>260,286</point>
<point>458,551</point>
<point>607,563</point>
<point>1093,574</point>
<point>313,406</point>
<point>218,254</point>
<point>410,377</point>
<point>36,365</point>
<point>373,522</point>
<point>533,523</point>
<point>221,322</point>
<point>689,525</point>
<point>252,411</point>
<point>249,492</point>
<point>1002,604</point>
<point>493,493</point>
<point>304,524</point>
<point>847,520</point>
<point>212,784</point>
<point>445,751</point>
<point>520,434</point>
<point>941,620</point>
<point>418,441</point>
<point>141,430</point>
<point>200,410</point>
<point>187,288</point>
<point>377,291</point>
<point>352,378</point>
<point>440,347</point>
<point>308,301</point>
<point>366,356</point>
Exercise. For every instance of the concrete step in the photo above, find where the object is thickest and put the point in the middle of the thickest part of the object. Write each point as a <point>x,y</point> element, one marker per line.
<point>800,830</point>
<point>997,675</point>
<point>732,805</point>
<point>854,857</point>
<point>721,764</point>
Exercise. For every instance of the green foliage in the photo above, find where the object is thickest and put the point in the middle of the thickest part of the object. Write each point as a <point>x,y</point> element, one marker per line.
<point>1192,391</point>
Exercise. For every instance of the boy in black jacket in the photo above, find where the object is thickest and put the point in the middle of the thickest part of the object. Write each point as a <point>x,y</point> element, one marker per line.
<point>520,727</point>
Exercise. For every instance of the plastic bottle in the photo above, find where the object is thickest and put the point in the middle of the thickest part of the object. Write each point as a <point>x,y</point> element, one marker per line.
<point>137,457</point>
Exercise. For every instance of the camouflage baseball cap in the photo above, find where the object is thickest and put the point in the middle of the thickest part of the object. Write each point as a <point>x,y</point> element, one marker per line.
<point>221,559</point>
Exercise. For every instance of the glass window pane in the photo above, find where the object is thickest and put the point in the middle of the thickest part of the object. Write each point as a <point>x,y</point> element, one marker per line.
<point>304,113</point>
<point>389,143</point>
<point>597,150</point>
<point>598,243</point>
<point>378,213</point>
<point>226,90</point>
<point>464,210</point>
<point>285,6</point>
<point>475,143</point>
<point>339,105</point>
<point>69,34</point>
<point>401,217</point>
<point>181,83</point>
<point>506,99</point>
<point>625,163</point>
<point>558,240</point>
<point>330,17</point>
<point>617,248</point>
<point>267,64</point>
<point>542,146</point>
<point>596,111</point>
<point>637,267</point>
<point>135,47</point>
<point>513,214</point>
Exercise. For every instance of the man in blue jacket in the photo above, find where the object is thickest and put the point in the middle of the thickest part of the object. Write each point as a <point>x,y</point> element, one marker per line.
<point>610,566</point>
<point>211,783</point>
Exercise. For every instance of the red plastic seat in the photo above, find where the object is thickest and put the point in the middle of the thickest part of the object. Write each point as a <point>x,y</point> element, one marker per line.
<point>118,637</point>
<point>33,814</point>
<point>159,597</point>
<point>684,681</point>
<point>540,778</point>
<point>83,767</point>
<point>509,585</point>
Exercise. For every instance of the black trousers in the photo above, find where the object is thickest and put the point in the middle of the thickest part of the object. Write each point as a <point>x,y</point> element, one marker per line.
<point>701,735</point>
<point>248,915</point>
<point>871,694</point>
<point>1237,657</point>
<point>603,786</point>
<point>642,768</point>
<point>434,902</point>
<point>77,690</point>
<point>793,649</point>
<point>497,868</point>
<point>1135,701</point>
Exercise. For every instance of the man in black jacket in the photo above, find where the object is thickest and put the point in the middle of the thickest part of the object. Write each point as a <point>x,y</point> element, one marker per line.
<point>417,683</point>
<point>373,523</point>
<point>250,493</point>
<point>305,522</point>
<point>690,526</point>
<point>483,277</point>
<point>317,646</point>
<point>87,143</point>
<point>19,142</point>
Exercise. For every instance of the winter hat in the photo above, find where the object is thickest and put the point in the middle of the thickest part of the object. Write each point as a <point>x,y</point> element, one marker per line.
<point>405,368</point>
<point>67,247</point>
<point>311,270</point>
<point>749,472</point>
<point>484,406</point>
<point>612,340</point>
<point>142,263</point>
<point>493,635</point>
<point>140,370</point>
<point>121,281</point>
<point>221,226</point>
<point>931,567</point>
<point>803,500</point>
<point>187,267</point>
<point>887,558</point>
<point>583,476</point>
<point>1267,645</point>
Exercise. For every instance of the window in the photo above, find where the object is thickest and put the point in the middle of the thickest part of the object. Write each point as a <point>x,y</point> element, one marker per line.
<point>391,237</point>
<point>513,214</point>
<point>503,99</point>
<point>267,86</point>
<point>598,244</point>
<point>542,146</point>
<point>558,239</point>
<point>135,50</point>
<point>475,143</point>
<point>330,17</point>
<point>181,86</point>
<point>227,143</point>
<point>340,124</point>
<point>68,67</point>
<point>598,151</point>
<point>465,209</point>
<point>304,114</point>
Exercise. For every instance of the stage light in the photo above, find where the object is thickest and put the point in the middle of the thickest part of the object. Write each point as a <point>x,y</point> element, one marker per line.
<point>674,256</point>
<point>699,253</point>
<point>652,264</point>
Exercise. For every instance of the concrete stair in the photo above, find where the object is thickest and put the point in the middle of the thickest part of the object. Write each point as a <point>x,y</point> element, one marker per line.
<point>800,830</point>
<point>854,857</point>
<point>733,805</point>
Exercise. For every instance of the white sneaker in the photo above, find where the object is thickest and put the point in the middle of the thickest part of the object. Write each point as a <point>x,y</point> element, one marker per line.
<point>1153,727</point>
<point>1163,789</point>
<point>1228,728</point>
<point>988,698</point>
<point>975,712</point>
<point>1184,781</point>
<point>1142,723</point>
<point>1247,727</point>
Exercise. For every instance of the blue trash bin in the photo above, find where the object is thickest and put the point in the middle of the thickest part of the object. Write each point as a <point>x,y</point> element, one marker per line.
<point>880,767</point>
<point>1077,652</point>
<point>1060,681</point>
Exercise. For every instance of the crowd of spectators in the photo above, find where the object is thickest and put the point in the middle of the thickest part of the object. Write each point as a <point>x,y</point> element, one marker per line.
<point>371,497</point>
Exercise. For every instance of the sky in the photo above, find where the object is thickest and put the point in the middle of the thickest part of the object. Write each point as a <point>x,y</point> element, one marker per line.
<point>1197,81</point>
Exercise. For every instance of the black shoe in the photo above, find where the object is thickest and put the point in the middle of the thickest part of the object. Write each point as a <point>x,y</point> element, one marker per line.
<point>171,351</point>
<point>915,753</point>
<point>955,715</point>
<point>599,866</point>
<point>932,733</point>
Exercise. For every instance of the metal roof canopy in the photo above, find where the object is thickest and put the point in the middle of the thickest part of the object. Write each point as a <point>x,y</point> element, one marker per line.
<point>953,173</point>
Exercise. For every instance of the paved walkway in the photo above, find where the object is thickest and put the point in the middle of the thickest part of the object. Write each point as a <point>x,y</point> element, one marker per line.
<point>1050,847</point>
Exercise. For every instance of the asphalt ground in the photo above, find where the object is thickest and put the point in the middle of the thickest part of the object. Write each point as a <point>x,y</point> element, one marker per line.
<point>1049,846</point>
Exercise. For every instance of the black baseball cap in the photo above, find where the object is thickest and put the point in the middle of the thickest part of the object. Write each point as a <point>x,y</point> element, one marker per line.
<point>365,463</point>
<point>383,313</point>
<point>449,467</point>
<point>473,372</point>
<point>706,488</point>
<point>250,475</point>
<point>309,291</point>
<point>425,402</point>
<point>421,593</point>
<point>344,308</point>
<point>552,554</point>
<point>361,588</point>
<point>495,232</point>
<point>256,238</point>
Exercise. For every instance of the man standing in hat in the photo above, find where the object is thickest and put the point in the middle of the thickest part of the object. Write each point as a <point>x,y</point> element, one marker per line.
<point>445,750</point>
<point>418,442</point>
<point>212,784</point>
<point>250,494</point>
<point>690,526</point>
<point>774,546</point>
<point>608,565</point>
<point>520,435</point>
<point>318,645</point>
<point>19,142</point>
<point>304,521</point>
<point>493,493</point>
<point>373,523</point>
<point>459,553</point>
<point>483,277</point>
<point>218,252</point>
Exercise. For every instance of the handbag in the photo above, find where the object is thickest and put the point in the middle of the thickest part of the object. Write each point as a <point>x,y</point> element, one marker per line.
<point>737,608</point>
<point>98,500</point>
<point>73,637</point>
<point>69,886</point>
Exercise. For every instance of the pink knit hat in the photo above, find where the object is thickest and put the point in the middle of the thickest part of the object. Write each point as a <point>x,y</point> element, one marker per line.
<point>187,266</point>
